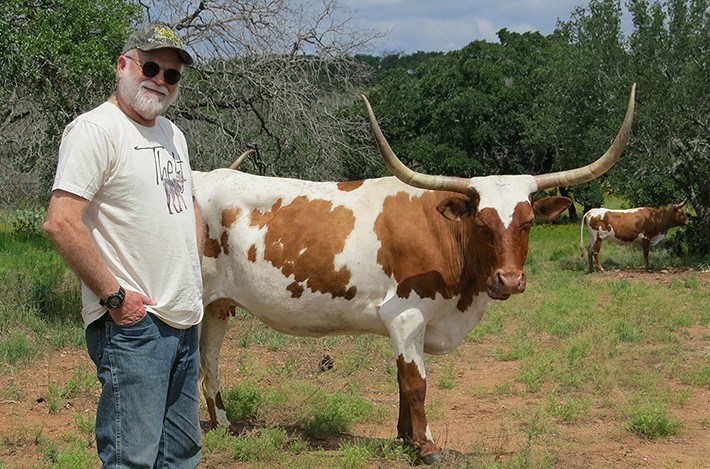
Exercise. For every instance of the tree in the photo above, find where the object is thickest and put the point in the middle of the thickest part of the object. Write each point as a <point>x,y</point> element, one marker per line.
<point>56,58</point>
<point>670,57</point>
<point>267,73</point>
<point>273,74</point>
<point>585,91</point>
<point>465,112</point>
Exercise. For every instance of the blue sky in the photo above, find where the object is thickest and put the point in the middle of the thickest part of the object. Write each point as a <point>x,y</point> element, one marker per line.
<point>444,25</point>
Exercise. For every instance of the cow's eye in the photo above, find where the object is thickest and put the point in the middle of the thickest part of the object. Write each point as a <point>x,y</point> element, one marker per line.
<point>484,229</point>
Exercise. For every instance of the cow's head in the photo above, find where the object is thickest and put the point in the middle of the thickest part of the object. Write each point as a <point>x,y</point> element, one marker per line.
<point>499,210</point>
<point>680,218</point>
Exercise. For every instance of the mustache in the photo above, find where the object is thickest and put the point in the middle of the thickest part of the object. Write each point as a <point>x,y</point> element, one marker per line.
<point>152,86</point>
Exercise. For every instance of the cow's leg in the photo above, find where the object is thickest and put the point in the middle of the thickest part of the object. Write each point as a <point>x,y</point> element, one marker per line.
<point>646,243</point>
<point>594,252</point>
<point>589,256</point>
<point>412,424</point>
<point>212,331</point>
<point>407,336</point>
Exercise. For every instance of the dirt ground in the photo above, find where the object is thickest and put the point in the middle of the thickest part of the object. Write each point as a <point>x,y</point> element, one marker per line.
<point>464,422</point>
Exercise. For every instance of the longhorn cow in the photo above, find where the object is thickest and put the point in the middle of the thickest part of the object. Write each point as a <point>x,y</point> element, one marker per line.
<point>413,257</point>
<point>647,225</point>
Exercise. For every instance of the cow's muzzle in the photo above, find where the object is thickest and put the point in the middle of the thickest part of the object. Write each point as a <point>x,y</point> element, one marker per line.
<point>502,284</point>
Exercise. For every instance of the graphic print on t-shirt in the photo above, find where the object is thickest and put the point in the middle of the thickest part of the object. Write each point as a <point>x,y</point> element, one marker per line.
<point>169,173</point>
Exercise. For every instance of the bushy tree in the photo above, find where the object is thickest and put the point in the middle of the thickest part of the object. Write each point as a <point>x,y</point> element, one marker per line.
<point>584,93</point>
<point>56,58</point>
<point>670,58</point>
<point>466,112</point>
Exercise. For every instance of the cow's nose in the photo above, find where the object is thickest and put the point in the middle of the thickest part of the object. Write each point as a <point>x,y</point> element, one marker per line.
<point>506,283</point>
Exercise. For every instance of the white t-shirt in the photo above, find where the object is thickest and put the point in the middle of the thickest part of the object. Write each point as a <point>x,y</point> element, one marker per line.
<point>141,214</point>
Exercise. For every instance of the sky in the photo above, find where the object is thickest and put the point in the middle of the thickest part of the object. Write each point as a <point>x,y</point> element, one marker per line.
<point>445,25</point>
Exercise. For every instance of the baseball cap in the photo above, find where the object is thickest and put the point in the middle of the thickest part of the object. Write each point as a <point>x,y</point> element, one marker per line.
<point>154,36</point>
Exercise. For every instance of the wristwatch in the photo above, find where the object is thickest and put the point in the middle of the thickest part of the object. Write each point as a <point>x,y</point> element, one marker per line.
<point>114,300</point>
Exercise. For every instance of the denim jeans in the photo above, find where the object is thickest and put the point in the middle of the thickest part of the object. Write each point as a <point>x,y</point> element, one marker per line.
<point>148,411</point>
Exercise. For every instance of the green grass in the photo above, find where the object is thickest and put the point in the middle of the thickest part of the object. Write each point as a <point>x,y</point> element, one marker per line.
<point>40,304</point>
<point>582,348</point>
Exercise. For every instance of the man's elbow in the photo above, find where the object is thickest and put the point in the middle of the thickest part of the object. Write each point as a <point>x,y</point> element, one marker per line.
<point>52,227</point>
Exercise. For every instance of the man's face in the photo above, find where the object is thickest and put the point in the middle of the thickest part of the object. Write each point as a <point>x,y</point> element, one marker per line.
<point>148,96</point>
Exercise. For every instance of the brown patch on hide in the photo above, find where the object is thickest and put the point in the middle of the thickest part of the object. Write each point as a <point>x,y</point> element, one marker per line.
<point>302,239</point>
<point>348,186</point>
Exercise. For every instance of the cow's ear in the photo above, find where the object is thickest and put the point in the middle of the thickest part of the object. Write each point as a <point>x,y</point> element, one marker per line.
<point>550,207</point>
<point>457,208</point>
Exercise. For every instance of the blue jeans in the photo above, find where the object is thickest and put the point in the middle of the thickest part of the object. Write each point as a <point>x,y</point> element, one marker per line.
<point>148,411</point>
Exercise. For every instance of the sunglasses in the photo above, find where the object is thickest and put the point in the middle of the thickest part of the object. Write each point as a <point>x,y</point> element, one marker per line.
<point>151,69</point>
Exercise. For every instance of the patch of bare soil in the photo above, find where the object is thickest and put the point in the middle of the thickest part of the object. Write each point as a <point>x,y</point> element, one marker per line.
<point>664,276</point>
<point>485,411</point>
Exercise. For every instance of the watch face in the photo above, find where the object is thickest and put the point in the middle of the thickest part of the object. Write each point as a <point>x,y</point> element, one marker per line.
<point>114,301</point>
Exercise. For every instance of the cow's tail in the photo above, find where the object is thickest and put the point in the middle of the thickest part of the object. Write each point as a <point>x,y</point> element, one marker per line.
<point>582,251</point>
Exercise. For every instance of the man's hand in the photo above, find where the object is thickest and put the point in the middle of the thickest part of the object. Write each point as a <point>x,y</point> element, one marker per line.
<point>132,310</point>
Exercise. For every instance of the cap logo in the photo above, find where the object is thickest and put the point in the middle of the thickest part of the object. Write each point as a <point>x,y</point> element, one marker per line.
<point>167,35</point>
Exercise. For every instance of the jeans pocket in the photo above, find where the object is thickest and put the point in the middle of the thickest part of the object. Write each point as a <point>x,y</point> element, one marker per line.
<point>138,328</point>
<point>96,340</point>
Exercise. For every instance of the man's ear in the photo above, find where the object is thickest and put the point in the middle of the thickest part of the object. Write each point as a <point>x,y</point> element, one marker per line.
<point>550,207</point>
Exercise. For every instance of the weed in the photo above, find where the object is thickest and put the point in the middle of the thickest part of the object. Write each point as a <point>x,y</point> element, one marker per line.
<point>332,413</point>
<point>263,445</point>
<point>568,409</point>
<point>652,421</point>
<point>448,380</point>
<point>699,376</point>
<point>244,400</point>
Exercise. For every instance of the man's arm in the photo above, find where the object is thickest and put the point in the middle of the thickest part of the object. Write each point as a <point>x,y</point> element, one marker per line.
<point>65,226</point>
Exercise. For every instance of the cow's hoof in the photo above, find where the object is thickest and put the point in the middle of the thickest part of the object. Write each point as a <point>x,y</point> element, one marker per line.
<point>433,458</point>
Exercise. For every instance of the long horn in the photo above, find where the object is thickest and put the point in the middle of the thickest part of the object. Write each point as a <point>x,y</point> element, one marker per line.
<point>599,167</point>
<point>406,175</point>
<point>241,158</point>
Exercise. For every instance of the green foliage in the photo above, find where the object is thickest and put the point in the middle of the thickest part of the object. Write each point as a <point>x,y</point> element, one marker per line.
<point>76,455</point>
<point>360,453</point>
<point>58,395</point>
<point>334,413</point>
<point>244,400</point>
<point>700,376</point>
<point>653,421</point>
<point>39,294</point>
<point>58,59</point>
<point>266,444</point>
<point>491,323</point>
<point>28,222</point>
<point>569,409</point>
<point>67,59</point>
<point>16,349</point>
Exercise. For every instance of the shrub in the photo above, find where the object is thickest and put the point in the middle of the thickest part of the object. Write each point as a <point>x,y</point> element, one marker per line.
<point>29,222</point>
<point>652,421</point>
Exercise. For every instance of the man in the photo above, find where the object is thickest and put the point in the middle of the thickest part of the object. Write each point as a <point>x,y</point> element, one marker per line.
<point>118,217</point>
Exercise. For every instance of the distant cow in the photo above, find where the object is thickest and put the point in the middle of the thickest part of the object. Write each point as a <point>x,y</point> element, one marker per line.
<point>646,224</point>
<point>415,259</point>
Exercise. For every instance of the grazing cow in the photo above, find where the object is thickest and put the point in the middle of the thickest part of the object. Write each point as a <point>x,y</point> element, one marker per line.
<point>415,259</point>
<point>646,224</point>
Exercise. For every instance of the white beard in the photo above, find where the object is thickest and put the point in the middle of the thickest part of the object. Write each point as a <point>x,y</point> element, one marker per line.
<point>148,105</point>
